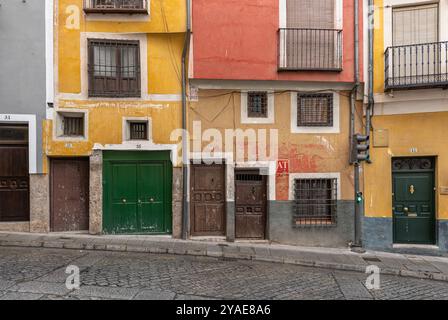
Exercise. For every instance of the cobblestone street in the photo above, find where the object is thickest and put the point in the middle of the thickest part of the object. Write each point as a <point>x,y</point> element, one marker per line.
<point>31,273</point>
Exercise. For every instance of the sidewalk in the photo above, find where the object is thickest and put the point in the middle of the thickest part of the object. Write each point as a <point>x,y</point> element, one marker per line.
<point>423,267</point>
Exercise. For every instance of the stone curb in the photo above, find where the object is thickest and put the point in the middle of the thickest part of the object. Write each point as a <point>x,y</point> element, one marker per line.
<point>217,251</point>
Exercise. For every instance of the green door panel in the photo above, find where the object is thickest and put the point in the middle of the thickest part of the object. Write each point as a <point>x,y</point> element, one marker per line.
<point>151,197</point>
<point>124,197</point>
<point>137,192</point>
<point>414,207</point>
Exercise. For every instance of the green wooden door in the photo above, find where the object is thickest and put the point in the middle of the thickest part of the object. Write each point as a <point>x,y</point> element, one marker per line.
<point>137,193</point>
<point>151,197</point>
<point>413,207</point>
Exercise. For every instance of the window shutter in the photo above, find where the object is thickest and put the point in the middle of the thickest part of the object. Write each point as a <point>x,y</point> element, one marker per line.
<point>314,14</point>
<point>415,25</point>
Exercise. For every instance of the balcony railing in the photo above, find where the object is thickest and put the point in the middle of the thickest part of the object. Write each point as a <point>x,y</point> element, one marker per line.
<point>115,6</point>
<point>310,49</point>
<point>417,66</point>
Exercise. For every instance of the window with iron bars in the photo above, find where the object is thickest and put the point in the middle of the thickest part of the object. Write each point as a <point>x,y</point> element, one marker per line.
<point>114,68</point>
<point>138,130</point>
<point>73,126</point>
<point>315,110</point>
<point>315,202</point>
<point>257,104</point>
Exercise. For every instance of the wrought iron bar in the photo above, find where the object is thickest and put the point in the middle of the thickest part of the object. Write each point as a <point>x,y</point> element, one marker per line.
<point>310,49</point>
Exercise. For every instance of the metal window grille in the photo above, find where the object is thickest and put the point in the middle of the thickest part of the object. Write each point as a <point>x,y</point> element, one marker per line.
<point>249,177</point>
<point>139,130</point>
<point>315,110</point>
<point>315,202</point>
<point>257,104</point>
<point>114,68</point>
<point>117,6</point>
<point>73,126</point>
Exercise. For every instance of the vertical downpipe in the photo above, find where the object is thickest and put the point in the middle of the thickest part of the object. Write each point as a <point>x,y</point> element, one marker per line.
<point>358,206</point>
<point>185,203</point>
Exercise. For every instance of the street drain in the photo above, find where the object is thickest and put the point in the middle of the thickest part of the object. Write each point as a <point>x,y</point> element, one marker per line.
<point>371,259</point>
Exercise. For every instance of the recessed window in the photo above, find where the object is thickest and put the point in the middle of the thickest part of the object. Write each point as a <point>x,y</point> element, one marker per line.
<point>138,130</point>
<point>315,110</point>
<point>315,202</point>
<point>73,126</point>
<point>70,125</point>
<point>257,104</point>
<point>115,6</point>
<point>114,68</point>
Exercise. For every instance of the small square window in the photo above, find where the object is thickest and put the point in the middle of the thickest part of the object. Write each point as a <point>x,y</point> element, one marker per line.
<point>138,131</point>
<point>73,126</point>
<point>257,104</point>
<point>315,110</point>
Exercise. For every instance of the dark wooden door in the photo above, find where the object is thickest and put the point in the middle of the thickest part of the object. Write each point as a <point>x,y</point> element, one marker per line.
<point>414,201</point>
<point>69,194</point>
<point>250,205</point>
<point>208,200</point>
<point>14,183</point>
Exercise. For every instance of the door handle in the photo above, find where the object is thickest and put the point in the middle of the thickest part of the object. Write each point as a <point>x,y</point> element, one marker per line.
<point>151,200</point>
<point>406,209</point>
<point>124,200</point>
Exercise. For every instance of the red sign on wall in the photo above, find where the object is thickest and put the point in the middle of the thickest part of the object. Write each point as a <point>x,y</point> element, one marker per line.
<point>282,167</point>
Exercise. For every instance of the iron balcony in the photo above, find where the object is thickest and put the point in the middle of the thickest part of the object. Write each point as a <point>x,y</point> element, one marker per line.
<point>304,49</point>
<point>116,6</point>
<point>416,66</point>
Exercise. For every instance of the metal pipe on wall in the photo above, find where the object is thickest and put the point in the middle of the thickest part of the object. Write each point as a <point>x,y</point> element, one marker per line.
<point>185,161</point>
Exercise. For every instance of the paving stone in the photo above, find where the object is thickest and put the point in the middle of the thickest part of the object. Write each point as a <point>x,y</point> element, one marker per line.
<point>102,292</point>
<point>154,295</point>
<point>41,287</point>
<point>21,296</point>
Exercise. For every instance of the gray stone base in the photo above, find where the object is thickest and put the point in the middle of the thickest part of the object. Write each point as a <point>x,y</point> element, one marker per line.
<point>281,230</point>
<point>377,233</point>
<point>443,235</point>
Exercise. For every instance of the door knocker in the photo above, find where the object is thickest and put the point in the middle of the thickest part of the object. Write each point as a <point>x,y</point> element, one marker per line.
<point>412,189</point>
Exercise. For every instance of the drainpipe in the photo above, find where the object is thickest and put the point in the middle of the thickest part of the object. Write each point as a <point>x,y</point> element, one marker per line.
<point>185,203</point>
<point>371,100</point>
<point>358,206</point>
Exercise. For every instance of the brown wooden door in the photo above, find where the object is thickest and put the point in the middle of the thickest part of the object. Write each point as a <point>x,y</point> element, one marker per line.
<point>250,205</point>
<point>208,200</point>
<point>69,194</point>
<point>14,183</point>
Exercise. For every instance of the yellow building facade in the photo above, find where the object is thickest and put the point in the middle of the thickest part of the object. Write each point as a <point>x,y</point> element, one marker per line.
<point>117,100</point>
<point>406,194</point>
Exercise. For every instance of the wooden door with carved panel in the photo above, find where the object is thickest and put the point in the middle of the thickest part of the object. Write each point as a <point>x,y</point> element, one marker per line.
<point>413,200</point>
<point>208,200</point>
<point>250,205</point>
<point>14,173</point>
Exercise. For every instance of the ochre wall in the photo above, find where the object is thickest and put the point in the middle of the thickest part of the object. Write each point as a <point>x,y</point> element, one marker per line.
<point>308,153</point>
<point>427,133</point>
<point>165,39</point>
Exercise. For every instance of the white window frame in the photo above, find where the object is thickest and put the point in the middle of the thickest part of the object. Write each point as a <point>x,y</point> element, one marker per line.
<point>127,129</point>
<point>388,17</point>
<point>316,130</point>
<point>270,119</point>
<point>327,175</point>
<point>58,125</point>
<point>29,119</point>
